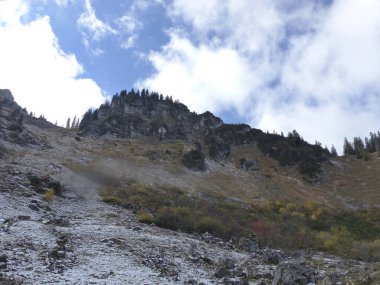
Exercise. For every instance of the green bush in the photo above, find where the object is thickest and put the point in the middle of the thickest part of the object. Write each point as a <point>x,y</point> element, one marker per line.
<point>175,219</point>
<point>277,223</point>
<point>194,160</point>
<point>144,217</point>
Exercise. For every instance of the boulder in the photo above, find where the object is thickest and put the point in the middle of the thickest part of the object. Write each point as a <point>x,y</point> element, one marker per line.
<point>248,244</point>
<point>273,256</point>
<point>293,273</point>
<point>194,160</point>
<point>249,164</point>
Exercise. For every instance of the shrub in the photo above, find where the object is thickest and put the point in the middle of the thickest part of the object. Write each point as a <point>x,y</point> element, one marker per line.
<point>175,219</point>
<point>277,223</point>
<point>144,217</point>
<point>109,197</point>
<point>194,159</point>
<point>49,195</point>
<point>366,250</point>
<point>211,225</point>
<point>339,239</point>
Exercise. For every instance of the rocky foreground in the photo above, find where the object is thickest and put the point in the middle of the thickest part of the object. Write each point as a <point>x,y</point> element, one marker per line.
<point>74,238</point>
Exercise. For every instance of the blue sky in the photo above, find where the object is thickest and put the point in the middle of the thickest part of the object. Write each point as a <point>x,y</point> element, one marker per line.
<point>312,66</point>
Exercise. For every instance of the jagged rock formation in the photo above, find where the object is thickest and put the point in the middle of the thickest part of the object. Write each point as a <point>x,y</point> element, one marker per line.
<point>133,115</point>
<point>12,123</point>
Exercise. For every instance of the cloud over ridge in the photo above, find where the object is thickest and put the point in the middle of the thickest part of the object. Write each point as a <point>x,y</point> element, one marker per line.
<point>281,65</point>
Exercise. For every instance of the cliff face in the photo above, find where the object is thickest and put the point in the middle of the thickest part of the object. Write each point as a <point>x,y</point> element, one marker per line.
<point>133,115</point>
<point>12,123</point>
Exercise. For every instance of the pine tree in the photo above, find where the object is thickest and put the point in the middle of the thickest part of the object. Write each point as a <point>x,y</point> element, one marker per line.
<point>68,123</point>
<point>348,148</point>
<point>74,122</point>
<point>333,151</point>
<point>358,147</point>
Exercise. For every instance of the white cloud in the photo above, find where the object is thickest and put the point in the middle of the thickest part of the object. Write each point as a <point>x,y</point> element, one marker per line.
<point>203,78</point>
<point>41,76</point>
<point>281,65</point>
<point>125,27</point>
<point>92,28</point>
<point>145,4</point>
<point>129,26</point>
<point>129,23</point>
<point>130,42</point>
<point>11,11</point>
<point>63,3</point>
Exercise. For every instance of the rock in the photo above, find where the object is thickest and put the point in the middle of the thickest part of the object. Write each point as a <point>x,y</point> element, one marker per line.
<point>249,164</point>
<point>34,207</point>
<point>327,281</point>
<point>194,160</point>
<point>134,115</point>
<point>217,148</point>
<point>23,218</point>
<point>3,258</point>
<point>235,281</point>
<point>61,222</point>
<point>248,244</point>
<point>225,269</point>
<point>57,254</point>
<point>41,184</point>
<point>271,256</point>
<point>293,273</point>
<point>6,96</point>
<point>230,273</point>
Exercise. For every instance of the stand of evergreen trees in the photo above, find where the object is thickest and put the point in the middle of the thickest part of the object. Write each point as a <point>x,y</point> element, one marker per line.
<point>361,148</point>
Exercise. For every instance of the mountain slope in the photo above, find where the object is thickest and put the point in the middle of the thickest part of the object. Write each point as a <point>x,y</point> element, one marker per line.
<point>56,229</point>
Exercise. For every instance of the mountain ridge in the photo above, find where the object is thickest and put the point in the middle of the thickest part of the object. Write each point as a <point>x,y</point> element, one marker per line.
<point>86,206</point>
<point>133,115</point>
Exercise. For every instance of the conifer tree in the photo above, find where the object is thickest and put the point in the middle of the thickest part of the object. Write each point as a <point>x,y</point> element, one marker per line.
<point>348,148</point>
<point>74,122</point>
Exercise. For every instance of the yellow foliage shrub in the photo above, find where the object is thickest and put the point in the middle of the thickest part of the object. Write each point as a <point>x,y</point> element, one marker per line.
<point>49,195</point>
<point>144,217</point>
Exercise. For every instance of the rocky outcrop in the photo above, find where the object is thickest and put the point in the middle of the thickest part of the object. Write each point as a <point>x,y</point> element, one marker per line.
<point>273,256</point>
<point>249,164</point>
<point>248,244</point>
<point>136,114</point>
<point>294,273</point>
<point>194,160</point>
<point>12,119</point>
<point>6,97</point>
<point>217,148</point>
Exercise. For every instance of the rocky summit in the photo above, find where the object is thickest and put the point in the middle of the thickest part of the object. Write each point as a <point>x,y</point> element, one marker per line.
<point>146,192</point>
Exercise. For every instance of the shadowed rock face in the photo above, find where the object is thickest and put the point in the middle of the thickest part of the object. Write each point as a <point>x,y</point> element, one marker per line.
<point>12,120</point>
<point>132,115</point>
<point>6,96</point>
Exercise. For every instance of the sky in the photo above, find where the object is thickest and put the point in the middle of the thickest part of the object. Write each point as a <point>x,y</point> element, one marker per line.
<point>279,65</point>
